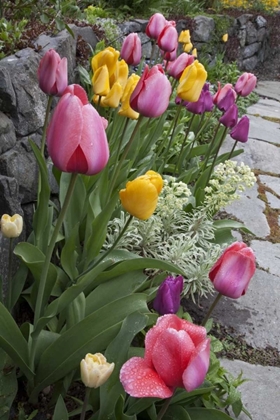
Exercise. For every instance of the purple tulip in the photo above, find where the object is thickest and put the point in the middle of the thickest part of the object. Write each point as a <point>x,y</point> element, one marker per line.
<point>204,103</point>
<point>230,117</point>
<point>131,49</point>
<point>167,300</point>
<point>52,73</point>
<point>245,84</point>
<point>224,97</point>
<point>241,131</point>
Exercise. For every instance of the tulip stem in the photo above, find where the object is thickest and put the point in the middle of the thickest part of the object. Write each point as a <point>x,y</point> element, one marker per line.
<point>184,143</point>
<point>50,248</point>
<point>218,297</point>
<point>164,408</point>
<point>174,127</point>
<point>85,403</point>
<point>216,154</point>
<point>232,150</point>
<point>44,135</point>
<point>210,147</point>
<point>9,279</point>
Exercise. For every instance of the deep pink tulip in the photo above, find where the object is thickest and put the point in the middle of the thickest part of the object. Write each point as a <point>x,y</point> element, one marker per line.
<point>131,50</point>
<point>151,95</point>
<point>204,103</point>
<point>241,131</point>
<point>230,117</point>
<point>52,73</point>
<point>168,38</point>
<point>233,271</point>
<point>155,25</point>
<point>169,56</point>
<point>76,137</point>
<point>245,84</point>
<point>176,68</point>
<point>224,97</point>
<point>176,355</point>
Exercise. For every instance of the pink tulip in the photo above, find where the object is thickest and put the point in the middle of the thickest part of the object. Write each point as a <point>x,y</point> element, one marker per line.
<point>77,90</point>
<point>155,25</point>
<point>241,131</point>
<point>168,38</point>
<point>233,271</point>
<point>52,73</point>
<point>151,95</point>
<point>245,84</point>
<point>76,136</point>
<point>224,97</point>
<point>131,49</point>
<point>176,355</point>
<point>169,56</point>
<point>176,68</point>
<point>230,117</point>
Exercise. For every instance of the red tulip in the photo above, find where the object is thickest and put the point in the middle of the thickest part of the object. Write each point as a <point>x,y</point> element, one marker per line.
<point>131,49</point>
<point>233,271</point>
<point>168,38</point>
<point>241,131</point>
<point>176,355</point>
<point>245,84</point>
<point>52,73</point>
<point>76,136</point>
<point>151,95</point>
<point>155,25</point>
<point>176,68</point>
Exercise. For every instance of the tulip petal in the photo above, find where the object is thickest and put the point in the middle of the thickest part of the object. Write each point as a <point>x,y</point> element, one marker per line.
<point>197,368</point>
<point>140,381</point>
<point>78,162</point>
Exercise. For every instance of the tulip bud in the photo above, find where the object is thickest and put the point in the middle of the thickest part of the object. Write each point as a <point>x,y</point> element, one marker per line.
<point>125,109</point>
<point>107,57</point>
<point>100,81</point>
<point>155,25</point>
<point>241,131</point>
<point>11,227</point>
<point>222,98</point>
<point>112,100</point>
<point>230,117</point>
<point>187,47</point>
<point>52,73</point>
<point>245,84</point>
<point>168,38</point>
<point>194,52</point>
<point>191,82</point>
<point>131,49</point>
<point>95,370</point>
<point>184,37</point>
<point>140,196</point>
<point>233,271</point>
<point>167,300</point>
<point>151,95</point>
<point>225,38</point>
<point>176,68</point>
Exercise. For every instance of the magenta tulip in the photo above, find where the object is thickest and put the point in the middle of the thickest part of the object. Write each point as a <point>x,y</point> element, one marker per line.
<point>204,103</point>
<point>176,355</point>
<point>245,84</point>
<point>151,95</point>
<point>52,73</point>
<point>224,97</point>
<point>155,25</point>
<point>76,136</point>
<point>241,131</point>
<point>168,38</point>
<point>167,300</point>
<point>131,49</point>
<point>233,271</point>
<point>176,68</point>
<point>230,117</point>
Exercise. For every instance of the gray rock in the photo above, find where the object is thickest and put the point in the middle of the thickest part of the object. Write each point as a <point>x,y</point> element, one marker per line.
<point>271,182</point>
<point>267,256</point>
<point>87,34</point>
<point>7,93</point>
<point>269,89</point>
<point>129,27</point>
<point>261,22</point>
<point>7,133</point>
<point>243,19</point>
<point>204,28</point>
<point>9,196</point>
<point>262,33</point>
<point>250,50</point>
<point>147,46</point>
<point>250,63</point>
<point>260,394</point>
<point>241,35</point>
<point>252,33</point>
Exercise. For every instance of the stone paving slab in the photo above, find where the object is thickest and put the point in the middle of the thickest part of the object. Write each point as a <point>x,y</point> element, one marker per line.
<point>267,257</point>
<point>272,182</point>
<point>261,129</point>
<point>256,315</point>
<point>265,108</point>
<point>249,210</point>
<point>273,201</point>
<point>269,89</point>
<point>260,395</point>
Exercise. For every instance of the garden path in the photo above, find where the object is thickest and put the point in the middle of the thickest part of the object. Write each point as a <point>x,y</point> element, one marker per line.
<point>256,316</point>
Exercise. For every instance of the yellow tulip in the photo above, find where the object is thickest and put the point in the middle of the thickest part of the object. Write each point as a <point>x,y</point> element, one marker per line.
<point>187,47</point>
<point>120,74</point>
<point>225,38</point>
<point>125,109</point>
<point>112,100</point>
<point>194,52</point>
<point>140,196</point>
<point>108,57</point>
<point>191,82</point>
<point>95,370</point>
<point>184,37</point>
<point>11,227</point>
<point>100,81</point>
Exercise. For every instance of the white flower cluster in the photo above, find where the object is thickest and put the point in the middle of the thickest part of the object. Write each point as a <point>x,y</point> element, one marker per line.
<point>227,181</point>
<point>173,235</point>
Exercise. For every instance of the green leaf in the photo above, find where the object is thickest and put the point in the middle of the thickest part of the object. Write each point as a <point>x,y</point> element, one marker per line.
<point>119,414</point>
<point>8,384</point>
<point>13,342</point>
<point>117,352</point>
<point>70,253</point>
<point>44,18</point>
<point>230,224</point>
<point>206,413</point>
<point>60,411</point>
<point>176,412</point>
<point>92,334</point>
<point>59,24</point>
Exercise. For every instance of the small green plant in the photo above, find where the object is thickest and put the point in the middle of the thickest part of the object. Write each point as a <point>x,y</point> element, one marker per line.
<point>10,34</point>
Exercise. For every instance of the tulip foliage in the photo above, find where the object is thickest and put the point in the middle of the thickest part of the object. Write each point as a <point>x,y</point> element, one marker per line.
<point>110,146</point>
